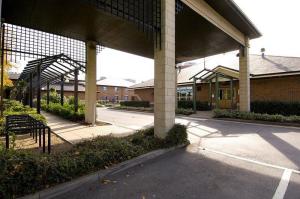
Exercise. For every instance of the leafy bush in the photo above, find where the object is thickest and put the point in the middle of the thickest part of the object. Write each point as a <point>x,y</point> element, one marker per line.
<point>54,97</point>
<point>255,116</point>
<point>66,111</point>
<point>183,111</point>
<point>276,107</point>
<point>177,135</point>
<point>23,173</point>
<point>13,107</point>
<point>200,106</point>
<point>136,103</point>
<point>132,108</point>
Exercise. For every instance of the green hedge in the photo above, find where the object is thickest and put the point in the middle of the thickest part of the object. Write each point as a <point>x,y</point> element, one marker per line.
<point>276,107</point>
<point>66,111</point>
<point>23,173</point>
<point>201,106</point>
<point>255,116</point>
<point>13,107</point>
<point>135,103</point>
<point>53,96</point>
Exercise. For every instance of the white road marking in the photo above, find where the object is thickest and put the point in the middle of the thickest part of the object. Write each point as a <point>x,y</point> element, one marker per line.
<point>284,182</point>
<point>250,160</point>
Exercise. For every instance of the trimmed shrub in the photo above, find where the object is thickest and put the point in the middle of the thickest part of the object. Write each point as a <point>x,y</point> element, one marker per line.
<point>177,135</point>
<point>23,173</point>
<point>201,106</point>
<point>276,107</point>
<point>183,111</point>
<point>136,103</point>
<point>255,116</point>
<point>54,97</point>
<point>66,111</point>
<point>13,107</point>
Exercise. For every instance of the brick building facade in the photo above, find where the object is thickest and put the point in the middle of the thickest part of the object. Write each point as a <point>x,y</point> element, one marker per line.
<point>273,78</point>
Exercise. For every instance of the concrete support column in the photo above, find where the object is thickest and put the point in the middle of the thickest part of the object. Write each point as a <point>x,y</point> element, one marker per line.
<point>177,71</point>
<point>244,78</point>
<point>164,80</point>
<point>90,81</point>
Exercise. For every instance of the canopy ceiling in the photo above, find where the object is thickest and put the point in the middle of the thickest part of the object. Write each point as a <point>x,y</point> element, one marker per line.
<point>77,19</point>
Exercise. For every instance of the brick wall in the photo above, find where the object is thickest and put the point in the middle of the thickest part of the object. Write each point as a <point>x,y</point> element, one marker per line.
<point>110,93</point>
<point>277,88</point>
<point>146,94</point>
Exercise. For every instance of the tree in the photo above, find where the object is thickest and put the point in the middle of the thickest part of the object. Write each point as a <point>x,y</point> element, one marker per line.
<point>7,66</point>
<point>19,91</point>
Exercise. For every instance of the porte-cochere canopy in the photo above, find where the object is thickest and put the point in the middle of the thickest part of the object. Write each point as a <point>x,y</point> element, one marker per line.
<point>134,26</point>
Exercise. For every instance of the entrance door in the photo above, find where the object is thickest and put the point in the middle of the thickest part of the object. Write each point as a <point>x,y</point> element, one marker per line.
<point>225,98</point>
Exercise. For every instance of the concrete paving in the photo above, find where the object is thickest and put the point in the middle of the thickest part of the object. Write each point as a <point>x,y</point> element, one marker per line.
<point>74,132</point>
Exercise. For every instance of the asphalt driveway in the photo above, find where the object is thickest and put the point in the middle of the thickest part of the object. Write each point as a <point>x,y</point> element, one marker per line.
<point>225,160</point>
<point>270,144</point>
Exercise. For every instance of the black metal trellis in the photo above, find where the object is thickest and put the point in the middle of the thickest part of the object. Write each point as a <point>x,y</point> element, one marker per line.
<point>22,124</point>
<point>146,14</point>
<point>20,43</point>
<point>51,70</point>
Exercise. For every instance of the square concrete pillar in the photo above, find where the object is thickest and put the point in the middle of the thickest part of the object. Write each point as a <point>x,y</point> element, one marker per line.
<point>164,79</point>
<point>244,78</point>
<point>90,83</point>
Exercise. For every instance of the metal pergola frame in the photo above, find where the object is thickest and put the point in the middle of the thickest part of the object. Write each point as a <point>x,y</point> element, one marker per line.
<point>51,70</point>
<point>19,42</point>
<point>207,75</point>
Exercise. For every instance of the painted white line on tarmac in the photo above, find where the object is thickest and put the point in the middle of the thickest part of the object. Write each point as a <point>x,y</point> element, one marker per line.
<point>249,160</point>
<point>283,184</point>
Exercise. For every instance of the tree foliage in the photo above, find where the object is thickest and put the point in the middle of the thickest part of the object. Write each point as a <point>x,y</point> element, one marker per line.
<point>6,80</point>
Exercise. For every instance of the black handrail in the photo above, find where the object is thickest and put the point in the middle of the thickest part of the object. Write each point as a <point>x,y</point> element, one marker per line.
<point>22,124</point>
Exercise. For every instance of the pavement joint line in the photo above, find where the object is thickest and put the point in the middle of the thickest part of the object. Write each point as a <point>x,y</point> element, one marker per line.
<point>249,160</point>
<point>283,184</point>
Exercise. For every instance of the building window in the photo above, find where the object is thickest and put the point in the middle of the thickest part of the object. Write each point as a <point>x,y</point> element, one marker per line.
<point>126,98</point>
<point>116,89</point>
<point>185,93</point>
<point>115,99</point>
<point>104,88</point>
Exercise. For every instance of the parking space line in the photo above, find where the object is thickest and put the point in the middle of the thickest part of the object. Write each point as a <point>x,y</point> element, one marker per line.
<point>284,182</point>
<point>249,160</point>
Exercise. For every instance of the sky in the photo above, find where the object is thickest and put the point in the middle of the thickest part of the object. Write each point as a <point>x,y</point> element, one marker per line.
<point>277,20</point>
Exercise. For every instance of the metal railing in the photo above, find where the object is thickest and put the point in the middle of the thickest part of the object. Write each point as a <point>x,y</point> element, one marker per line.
<point>22,124</point>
